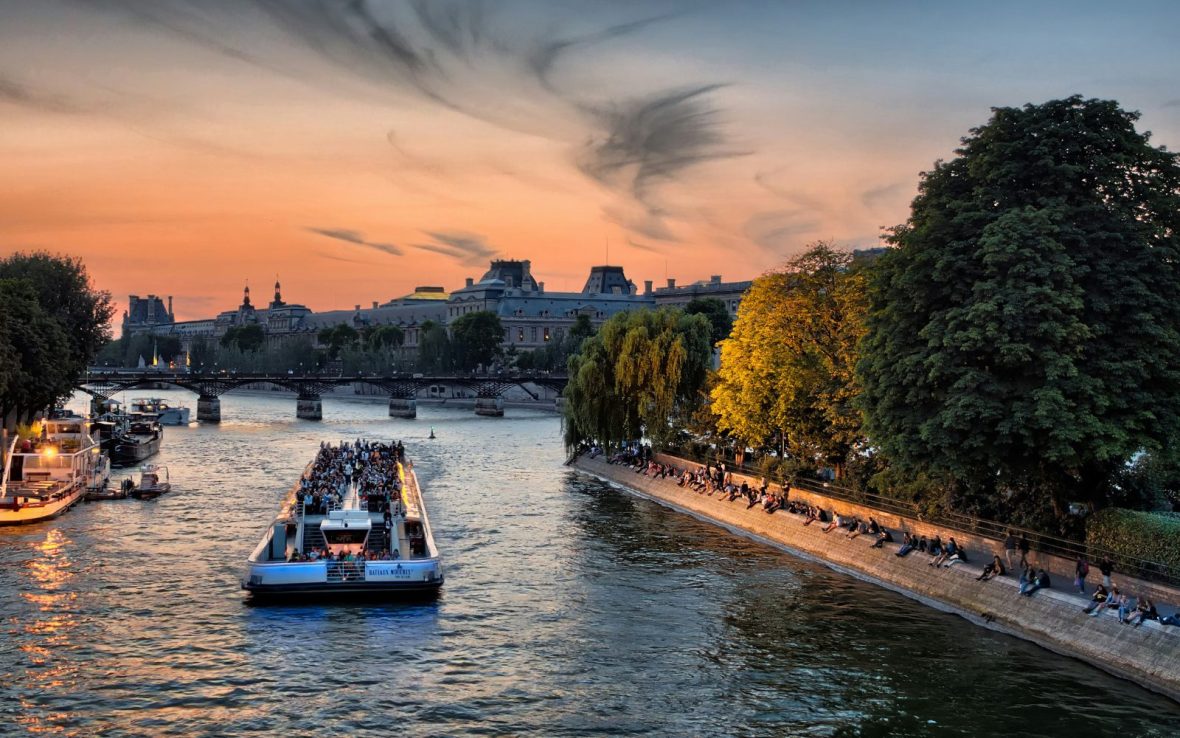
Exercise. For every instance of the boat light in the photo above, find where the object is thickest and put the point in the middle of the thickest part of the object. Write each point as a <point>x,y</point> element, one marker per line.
<point>49,452</point>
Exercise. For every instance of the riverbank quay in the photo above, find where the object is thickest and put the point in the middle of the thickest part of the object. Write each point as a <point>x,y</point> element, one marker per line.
<point>1052,618</point>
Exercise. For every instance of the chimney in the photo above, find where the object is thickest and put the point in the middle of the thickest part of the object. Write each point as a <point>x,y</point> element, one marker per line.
<point>470,282</point>
<point>358,307</point>
<point>525,269</point>
<point>671,283</point>
<point>374,304</point>
<point>541,287</point>
<point>169,306</point>
<point>715,279</point>
<point>647,286</point>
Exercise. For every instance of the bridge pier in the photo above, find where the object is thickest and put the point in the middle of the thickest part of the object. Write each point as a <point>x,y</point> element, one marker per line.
<point>492,407</point>
<point>403,407</point>
<point>309,408</point>
<point>209,409</point>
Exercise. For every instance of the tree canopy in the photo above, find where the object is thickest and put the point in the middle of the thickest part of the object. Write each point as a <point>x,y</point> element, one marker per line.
<point>476,339</point>
<point>246,338</point>
<point>787,370</point>
<point>1022,337</point>
<point>52,323</point>
<point>636,376</point>
<point>719,321</point>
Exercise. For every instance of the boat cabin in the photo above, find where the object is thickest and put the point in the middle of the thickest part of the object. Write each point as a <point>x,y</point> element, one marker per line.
<point>346,531</point>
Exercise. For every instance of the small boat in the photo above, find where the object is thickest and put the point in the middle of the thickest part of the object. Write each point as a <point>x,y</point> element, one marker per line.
<point>165,414</point>
<point>150,486</point>
<point>48,471</point>
<point>99,486</point>
<point>137,441</point>
<point>366,537</point>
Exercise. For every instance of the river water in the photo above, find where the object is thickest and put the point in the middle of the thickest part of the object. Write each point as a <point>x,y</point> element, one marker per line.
<point>569,609</point>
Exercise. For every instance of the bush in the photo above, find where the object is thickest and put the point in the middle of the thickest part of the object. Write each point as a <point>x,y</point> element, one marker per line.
<point>1154,537</point>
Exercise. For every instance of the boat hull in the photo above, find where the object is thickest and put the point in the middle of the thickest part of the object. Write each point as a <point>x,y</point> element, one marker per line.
<point>35,513</point>
<point>126,453</point>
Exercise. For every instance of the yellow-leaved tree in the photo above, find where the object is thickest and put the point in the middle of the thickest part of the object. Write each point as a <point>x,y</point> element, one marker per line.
<point>786,379</point>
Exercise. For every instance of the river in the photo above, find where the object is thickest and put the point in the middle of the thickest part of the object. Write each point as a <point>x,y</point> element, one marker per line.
<point>569,609</point>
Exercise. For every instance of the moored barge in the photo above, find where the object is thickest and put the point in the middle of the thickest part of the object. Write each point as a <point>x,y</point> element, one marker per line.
<point>49,470</point>
<point>353,525</point>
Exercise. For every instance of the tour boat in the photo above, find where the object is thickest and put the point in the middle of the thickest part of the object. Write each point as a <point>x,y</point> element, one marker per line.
<point>358,542</point>
<point>46,473</point>
<point>166,414</point>
<point>150,485</point>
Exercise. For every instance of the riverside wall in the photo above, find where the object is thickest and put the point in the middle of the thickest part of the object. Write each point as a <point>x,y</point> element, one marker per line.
<point>1149,655</point>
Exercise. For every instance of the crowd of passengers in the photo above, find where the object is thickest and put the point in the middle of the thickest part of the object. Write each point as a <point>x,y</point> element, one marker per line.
<point>714,479</point>
<point>323,554</point>
<point>370,465</point>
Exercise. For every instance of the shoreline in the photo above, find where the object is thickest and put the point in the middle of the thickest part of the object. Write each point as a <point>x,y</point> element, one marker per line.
<point>1051,618</point>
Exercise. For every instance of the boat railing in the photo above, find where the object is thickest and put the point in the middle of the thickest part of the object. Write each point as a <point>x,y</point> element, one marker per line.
<point>346,571</point>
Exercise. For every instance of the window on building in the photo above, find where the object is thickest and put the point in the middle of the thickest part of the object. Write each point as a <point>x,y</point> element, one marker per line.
<point>520,335</point>
<point>546,333</point>
<point>534,333</point>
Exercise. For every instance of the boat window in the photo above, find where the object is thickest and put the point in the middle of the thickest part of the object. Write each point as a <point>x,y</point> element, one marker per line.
<point>351,535</point>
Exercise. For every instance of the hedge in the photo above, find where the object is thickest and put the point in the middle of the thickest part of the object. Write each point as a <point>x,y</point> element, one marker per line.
<point>1154,537</point>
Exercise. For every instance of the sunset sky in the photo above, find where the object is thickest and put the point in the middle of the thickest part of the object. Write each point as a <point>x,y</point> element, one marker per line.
<point>360,149</point>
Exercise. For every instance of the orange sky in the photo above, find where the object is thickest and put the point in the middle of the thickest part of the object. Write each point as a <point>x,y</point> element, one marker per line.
<point>182,148</point>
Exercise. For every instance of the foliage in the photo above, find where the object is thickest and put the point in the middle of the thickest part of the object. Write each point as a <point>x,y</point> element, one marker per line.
<point>786,376</point>
<point>719,321</point>
<point>336,337</point>
<point>1022,337</point>
<point>63,289</point>
<point>637,377</point>
<point>434,348</point>
<point>1154,537</point>
<point>1150,482</point>
<point>34,372</point>
<point>476,339</point>
<point>52,324</point>
<point>246,338</point>
<point>384,337</point>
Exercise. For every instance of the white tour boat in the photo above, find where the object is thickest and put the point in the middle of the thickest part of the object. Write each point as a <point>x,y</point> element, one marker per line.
<point>46,473</point>
<point>165,414</point>
<point>364,532</point>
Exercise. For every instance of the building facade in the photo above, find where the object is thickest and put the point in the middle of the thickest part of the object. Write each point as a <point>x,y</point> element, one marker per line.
<point>532,317</point>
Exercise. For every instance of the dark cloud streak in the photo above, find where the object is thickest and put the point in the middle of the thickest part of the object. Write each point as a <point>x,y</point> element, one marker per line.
<point>355,238</point>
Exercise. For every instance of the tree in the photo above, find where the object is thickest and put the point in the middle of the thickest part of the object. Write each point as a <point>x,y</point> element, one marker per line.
<point>476,339</point>
<point>434,348</point>
<point>63,289</point>
<point>1022,336</point>
<point>246,338</point>
<point>34,370</point>
<point>639,376</point>
<point>385,337</point>
<point>716,312</point>
<point>787,370</point>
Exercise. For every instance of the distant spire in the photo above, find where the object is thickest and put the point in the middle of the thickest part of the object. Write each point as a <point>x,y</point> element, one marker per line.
<point>246,295</point>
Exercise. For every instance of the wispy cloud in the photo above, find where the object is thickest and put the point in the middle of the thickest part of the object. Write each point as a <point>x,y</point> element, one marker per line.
<point>776,229</point>
<point>356,238</point>
<point>466,248</point>
<point>651,140</point>
<point>16,93</point>
<point>884,195</point>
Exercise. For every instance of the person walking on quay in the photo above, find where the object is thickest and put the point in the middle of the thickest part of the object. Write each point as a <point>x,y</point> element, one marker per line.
<point>1107,568</point>
<point>1023,546</point>
<point>1010,548</point>
<point>1080,570</point>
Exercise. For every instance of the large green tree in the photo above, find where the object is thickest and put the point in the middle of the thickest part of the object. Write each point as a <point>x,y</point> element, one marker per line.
<point>476,339</point>
<point>640,376</point>
<point>787,370</point>
<point>63,289</point>
<point>33,371</point>
<point>1023,336</point>
<point>713,309</point>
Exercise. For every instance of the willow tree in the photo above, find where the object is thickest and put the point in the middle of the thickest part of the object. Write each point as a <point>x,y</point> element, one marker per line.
<point>1023,337</point>
<point>639,376</point>
<point>787,370</point>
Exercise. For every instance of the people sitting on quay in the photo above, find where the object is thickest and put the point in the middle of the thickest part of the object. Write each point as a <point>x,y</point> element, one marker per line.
<point>994,569</point>
<point>908,543</point>
<point>1097,600</point>
<point>957,556</point>
<point>1143,612</point>
<point>883,537</point>
<point>1040,580</point>
<point>1127,604</point>
<point>838,521</point>
<point>945,553</point>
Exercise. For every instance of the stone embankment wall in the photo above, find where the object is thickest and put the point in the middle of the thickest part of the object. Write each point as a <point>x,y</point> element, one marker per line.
<point>1149,655</point>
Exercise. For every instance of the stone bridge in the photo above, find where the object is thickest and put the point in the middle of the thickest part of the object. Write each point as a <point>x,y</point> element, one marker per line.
<point>403,389</point>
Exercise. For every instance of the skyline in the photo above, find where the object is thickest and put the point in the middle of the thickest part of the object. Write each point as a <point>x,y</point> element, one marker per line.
<point>184,148</point>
